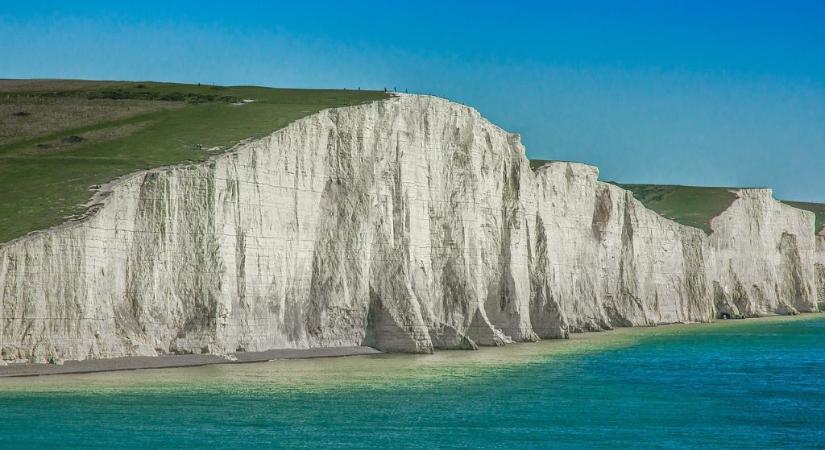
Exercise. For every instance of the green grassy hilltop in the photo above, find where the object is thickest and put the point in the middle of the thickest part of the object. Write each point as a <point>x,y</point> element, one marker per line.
<point>59,137</point>
<point>694,206</point>
<point>688,205</point>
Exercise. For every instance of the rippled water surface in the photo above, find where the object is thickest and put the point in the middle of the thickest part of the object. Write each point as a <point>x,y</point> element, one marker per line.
<point>752,384</point>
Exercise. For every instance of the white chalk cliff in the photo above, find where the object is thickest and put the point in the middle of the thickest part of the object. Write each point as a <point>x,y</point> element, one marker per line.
<point>819,269</point>
<point>409,224</point>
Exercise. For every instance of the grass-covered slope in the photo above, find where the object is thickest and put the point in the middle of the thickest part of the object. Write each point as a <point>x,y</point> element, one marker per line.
<point>689,205</point>
<point>817,208</point>
<point>59,137</point>
<point>693,206</point>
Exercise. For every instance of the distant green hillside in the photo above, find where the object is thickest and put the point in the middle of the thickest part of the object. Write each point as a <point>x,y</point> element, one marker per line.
<point>694,206</point>
<point>689,205</point>
<point>59,137</point>
<point>817,208</point>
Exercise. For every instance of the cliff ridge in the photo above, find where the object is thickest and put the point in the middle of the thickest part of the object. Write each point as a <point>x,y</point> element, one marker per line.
<point>409,224</point>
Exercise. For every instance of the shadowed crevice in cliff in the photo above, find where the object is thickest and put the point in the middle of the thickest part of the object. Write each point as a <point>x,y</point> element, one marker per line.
<point>340,271</point>
<point>545,312</point>
<point>627,308</point>
<point>232,203</point>
<point>734,301</point>
<point>725,308</point>
<point>820,284</point>
<point>446,337</point>
<point>394,310</point>
<point>395,316</point>
<point>457,299</point>
<point>142,267</point>
<point>742,298</point>
<point>799,294</point>
<point>385,333</point>
<point>173,274</point>
<point>601,213</point>
<point>694,287</point>
<point>453,185</point>
<point>484,333</point>
<point>508,296</point>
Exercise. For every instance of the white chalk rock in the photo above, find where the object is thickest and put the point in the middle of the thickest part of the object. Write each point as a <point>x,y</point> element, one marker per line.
<point>409,224</point>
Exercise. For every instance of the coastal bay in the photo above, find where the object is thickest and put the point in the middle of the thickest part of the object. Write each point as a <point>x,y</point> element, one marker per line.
<point>738,382</point>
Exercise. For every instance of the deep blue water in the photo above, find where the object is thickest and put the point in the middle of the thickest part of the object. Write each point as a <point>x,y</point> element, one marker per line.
<point>748,384</point>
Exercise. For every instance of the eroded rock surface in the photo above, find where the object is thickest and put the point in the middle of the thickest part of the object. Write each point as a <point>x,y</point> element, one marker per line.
<point>819,269</point>
<point>410,224</point>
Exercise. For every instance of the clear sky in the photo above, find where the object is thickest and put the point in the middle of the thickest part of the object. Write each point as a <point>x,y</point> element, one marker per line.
<point>708,93</point>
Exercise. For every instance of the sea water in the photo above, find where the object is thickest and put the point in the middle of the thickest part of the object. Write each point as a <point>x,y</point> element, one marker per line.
<point>736,384</point>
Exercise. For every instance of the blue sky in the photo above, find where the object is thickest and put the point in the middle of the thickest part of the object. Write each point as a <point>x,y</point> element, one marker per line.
<point>705,93</point>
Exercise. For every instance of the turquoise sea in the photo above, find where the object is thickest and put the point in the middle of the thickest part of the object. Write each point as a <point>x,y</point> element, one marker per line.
<point>736,384</point>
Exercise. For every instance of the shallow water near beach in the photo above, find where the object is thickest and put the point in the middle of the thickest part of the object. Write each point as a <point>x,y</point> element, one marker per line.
<point>754,384</point>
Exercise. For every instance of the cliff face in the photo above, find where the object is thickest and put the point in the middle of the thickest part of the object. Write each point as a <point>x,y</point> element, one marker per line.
<point>762,258</point>
<point>408,225</point>
<point>612,262</point>
<point>819,270</point>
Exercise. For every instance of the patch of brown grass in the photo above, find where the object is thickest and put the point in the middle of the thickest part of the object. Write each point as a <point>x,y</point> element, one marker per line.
<point>24,117</point>
<point>74,142</point>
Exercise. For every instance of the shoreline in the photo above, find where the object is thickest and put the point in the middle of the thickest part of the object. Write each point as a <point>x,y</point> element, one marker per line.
<point>133,363</point>
<point>17,370</point>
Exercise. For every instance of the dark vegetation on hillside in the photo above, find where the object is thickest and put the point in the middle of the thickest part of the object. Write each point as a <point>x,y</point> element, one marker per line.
<point>694,206</point>
<point>60,137</point>
<point>538,163</point>
<point>688,205</point>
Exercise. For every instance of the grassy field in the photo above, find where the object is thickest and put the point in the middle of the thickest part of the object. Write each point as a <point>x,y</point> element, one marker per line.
<point>696,206</point>
<point>689,205</point>
<point>693,206</point>
<point>58,138</point>
<point>26,117</point>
